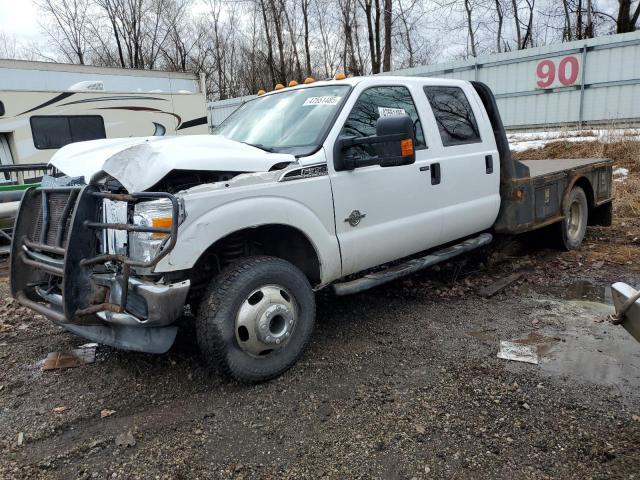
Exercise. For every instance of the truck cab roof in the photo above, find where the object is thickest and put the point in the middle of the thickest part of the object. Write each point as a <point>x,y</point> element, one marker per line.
<point>377,80</point>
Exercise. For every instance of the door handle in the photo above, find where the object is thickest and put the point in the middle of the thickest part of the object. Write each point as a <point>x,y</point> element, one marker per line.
<point>435,173</point>
<point>488,163</point>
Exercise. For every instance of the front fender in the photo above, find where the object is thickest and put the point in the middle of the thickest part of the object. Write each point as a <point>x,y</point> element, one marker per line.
<point>199,233</point>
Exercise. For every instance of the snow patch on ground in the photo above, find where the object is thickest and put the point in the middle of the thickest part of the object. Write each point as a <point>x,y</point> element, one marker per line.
<point>521,141</point>
<point>620,174</point>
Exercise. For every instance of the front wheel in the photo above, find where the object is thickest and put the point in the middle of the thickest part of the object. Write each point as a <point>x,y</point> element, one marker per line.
<point>256,319</point>
<point>576,214</point>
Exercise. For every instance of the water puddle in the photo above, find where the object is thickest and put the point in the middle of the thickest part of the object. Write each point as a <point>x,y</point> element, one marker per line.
<point>578,341</point>
<point>581,290</point>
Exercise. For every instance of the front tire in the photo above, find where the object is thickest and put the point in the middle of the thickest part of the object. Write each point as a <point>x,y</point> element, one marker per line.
<point>576,214</point>
<point>256,319</point>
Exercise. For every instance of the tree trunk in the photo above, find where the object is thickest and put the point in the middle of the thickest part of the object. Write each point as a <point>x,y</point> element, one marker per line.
<point>528,36</point>
<point>267,35</point>
<point>388,16</point>
<point>307,51</point>
<point>472,38</point>
<point>377,34</point>
<point>500,13</point>
<point>282,74</point>
<point>368,13</point>
<point>579,28</point>
<point>567,35</point>
<point>294,45</point>
<point>626,21</point>
<point>516,19</point>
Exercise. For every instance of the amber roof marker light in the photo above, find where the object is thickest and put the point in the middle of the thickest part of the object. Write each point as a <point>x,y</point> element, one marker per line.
<point>261,92</point>
<point>293,83</point>
<point>309,80</point>
<point>279,86</point>
<point>340,76</point>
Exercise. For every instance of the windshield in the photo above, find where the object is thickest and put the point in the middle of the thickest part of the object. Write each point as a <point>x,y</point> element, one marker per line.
<point>293,121</point>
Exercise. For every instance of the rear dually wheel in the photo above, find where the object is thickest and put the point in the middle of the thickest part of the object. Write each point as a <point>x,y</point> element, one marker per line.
<point>573,227</point>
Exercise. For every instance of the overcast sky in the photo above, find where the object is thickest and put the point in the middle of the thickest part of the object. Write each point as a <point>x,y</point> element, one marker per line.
<point>18,18</point>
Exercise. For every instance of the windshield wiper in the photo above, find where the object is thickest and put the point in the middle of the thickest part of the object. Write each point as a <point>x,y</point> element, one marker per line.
<point>260,146</point>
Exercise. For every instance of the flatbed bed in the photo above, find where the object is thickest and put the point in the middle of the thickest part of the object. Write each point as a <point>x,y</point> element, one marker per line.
<point>534,198</point>
<point>550,166</point>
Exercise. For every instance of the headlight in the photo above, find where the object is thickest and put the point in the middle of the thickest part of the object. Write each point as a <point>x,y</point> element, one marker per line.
<point>143,246</point>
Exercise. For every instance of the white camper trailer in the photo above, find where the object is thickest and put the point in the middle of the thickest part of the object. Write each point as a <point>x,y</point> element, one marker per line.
<point>44,106</point>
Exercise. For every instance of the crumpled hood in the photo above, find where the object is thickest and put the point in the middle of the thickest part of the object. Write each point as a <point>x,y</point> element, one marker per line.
<point>140,163</point>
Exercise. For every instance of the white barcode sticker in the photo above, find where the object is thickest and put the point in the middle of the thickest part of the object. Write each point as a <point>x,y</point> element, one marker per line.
<point>326,100</point>
<point>391,112</point>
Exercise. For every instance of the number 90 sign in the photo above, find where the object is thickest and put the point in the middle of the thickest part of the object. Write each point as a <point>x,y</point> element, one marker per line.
<point>552,73</point>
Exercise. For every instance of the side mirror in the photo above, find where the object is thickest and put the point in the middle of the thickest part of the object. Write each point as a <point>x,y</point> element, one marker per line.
<point>394,141</point>
<point>396,153</point>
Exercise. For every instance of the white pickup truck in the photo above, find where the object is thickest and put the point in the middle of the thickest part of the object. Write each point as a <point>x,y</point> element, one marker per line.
<point>344,184</point>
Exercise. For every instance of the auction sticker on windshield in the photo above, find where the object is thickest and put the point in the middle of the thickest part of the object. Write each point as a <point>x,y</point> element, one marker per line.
<point>326,100</point>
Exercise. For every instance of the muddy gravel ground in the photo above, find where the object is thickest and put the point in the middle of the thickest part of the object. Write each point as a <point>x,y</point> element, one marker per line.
<point>402,381</point>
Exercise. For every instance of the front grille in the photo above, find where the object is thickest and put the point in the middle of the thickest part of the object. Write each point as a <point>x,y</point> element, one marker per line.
<point>58,206</point>
<point>56,249</point>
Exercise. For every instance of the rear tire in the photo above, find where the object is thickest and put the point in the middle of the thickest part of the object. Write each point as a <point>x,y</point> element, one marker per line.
<point>256,319</point>
<point>576,214</point>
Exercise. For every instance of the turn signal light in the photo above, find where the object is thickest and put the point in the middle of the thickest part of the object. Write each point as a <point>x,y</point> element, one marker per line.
<point>279,86</point>
<point>293,83</point>
<point>261,92</point>
<point>161,222</point>
<point>340,76</point>
<point>406,147</point>
<point>309,80</point>
<point>518,194</point>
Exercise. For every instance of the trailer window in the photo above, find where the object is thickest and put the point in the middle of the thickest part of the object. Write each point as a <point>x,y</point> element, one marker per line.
<point>454,115</point>
<point>50,132</point>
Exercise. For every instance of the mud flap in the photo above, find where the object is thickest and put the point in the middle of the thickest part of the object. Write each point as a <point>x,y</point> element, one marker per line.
<point>136,339</point>
<point>602,215</point>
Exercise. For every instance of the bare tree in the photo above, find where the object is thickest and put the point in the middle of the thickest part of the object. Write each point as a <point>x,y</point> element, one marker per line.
<point>524,38</point>
<point>349,60</point>
<point>627,17</point>
<point>388,24</point>
<point>9,47</point>
<point>305,20</point>
<point>468,8</point>
<point>372,12</point>
<point>500,23</point>
<point>67,26</point>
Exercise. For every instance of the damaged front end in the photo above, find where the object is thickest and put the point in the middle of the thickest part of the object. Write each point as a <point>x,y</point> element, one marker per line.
<point>73,256</point>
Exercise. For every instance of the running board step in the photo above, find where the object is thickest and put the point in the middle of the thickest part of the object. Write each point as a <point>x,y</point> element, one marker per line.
<point>411,266</point>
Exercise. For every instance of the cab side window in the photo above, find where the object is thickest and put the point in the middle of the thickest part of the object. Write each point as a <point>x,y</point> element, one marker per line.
<point>371,105</point>
<point>454,116</point>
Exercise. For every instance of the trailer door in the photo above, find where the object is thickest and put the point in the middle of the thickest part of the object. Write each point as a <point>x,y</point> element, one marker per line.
<point>5,151</point>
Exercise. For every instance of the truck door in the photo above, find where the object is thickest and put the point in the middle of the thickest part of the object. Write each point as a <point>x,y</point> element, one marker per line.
<point>383,213</point>
<point>468,160</point>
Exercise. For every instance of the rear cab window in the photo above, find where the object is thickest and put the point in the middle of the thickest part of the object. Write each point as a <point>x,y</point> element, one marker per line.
<point>373,103</point>
<point>454,116</point>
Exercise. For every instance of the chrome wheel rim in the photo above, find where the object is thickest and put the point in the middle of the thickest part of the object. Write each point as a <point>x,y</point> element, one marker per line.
<point>575,220</point>
<point>266,320</point>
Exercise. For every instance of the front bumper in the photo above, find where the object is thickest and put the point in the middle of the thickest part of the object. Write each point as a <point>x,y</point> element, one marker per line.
<point>58,270</point>
<point>150,304</point>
